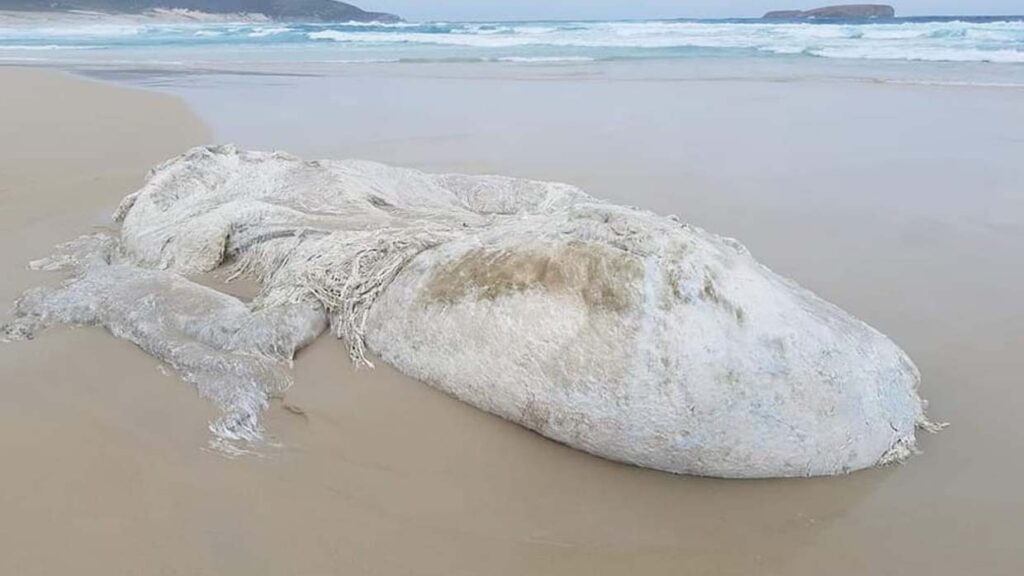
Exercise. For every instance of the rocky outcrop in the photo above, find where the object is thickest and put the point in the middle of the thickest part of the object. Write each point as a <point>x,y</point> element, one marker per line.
<point>296,10</point>
<point>842,11</point>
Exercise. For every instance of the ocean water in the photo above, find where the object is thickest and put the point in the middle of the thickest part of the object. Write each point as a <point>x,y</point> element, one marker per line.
<point>961,40</point>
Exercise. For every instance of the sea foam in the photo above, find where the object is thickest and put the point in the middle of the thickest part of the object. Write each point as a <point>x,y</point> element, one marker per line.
<point>939,40</point>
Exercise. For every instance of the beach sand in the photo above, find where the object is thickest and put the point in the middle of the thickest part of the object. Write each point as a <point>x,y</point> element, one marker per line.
<point>105,472</point>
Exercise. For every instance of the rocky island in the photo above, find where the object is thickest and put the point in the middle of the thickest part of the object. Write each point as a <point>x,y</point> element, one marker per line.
<point>284,10</point>
<point>842,11</point>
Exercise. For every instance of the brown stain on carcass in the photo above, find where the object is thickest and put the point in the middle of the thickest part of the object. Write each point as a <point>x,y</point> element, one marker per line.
<point>605,278</point>
<point>710,293</point>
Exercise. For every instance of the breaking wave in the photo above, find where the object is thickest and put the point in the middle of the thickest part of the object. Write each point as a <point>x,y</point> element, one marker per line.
<point>938,40</point>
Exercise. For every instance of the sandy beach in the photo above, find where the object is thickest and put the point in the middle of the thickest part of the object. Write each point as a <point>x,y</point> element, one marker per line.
<point>105,469</point>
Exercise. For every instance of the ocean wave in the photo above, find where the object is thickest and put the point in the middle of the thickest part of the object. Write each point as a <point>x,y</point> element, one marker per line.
<point>362,61</point>
<point>42,47</point>
<point>962,40</point>
<point>940,41</point>
<point>74,31</point>
<point>264,32</point>
<point>952,83</point>
<point>923,55</point>
<point>545,59</point>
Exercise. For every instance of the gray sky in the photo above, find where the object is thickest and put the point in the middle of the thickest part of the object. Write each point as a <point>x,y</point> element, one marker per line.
<point>598,9</point>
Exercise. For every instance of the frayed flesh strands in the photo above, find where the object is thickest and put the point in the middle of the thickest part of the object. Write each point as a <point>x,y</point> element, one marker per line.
<point>372,260</point>
<point>263,260</point>
<point>931,427</point>
<point>79,254</point>
<point>904,448</point>
<point>367,265</point>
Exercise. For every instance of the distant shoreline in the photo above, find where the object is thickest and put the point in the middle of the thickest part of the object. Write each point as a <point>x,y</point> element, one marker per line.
<point>160,16</point>
<point>156,16</point>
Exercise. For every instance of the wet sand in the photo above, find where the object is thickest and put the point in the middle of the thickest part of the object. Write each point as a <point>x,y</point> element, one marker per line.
<point>104,470</point>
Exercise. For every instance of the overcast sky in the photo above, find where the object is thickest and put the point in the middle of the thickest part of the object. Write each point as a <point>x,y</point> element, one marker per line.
<point>610,9</point>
